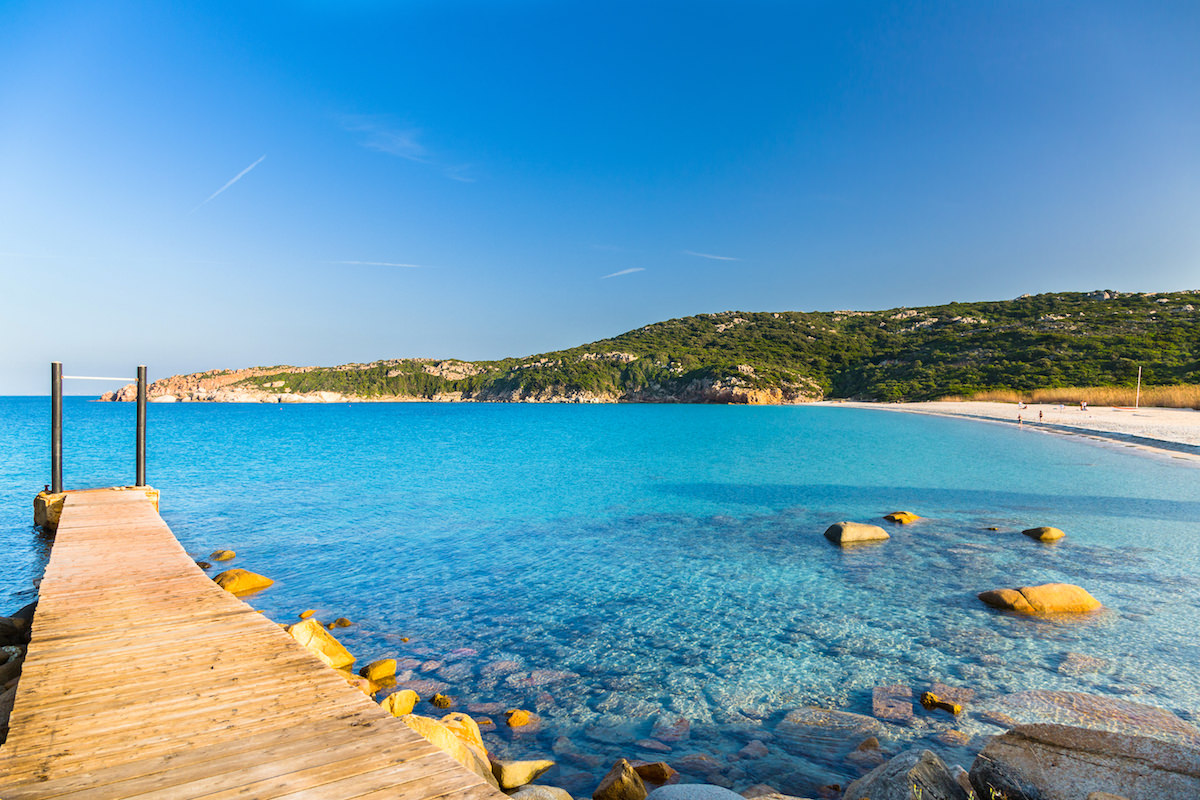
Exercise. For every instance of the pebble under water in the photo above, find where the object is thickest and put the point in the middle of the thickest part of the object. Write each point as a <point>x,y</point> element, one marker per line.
<point>652,581</point>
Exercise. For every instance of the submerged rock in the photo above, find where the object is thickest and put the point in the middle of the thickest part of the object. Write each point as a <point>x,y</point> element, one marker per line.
<point>1049,762</point>
<point>317,641</point>
<point>912,775</point>
<point>1044,534</point>
<point>825,733</point>
<point>892,703</point>
<point>1081,664</point>
<point>1078,709</point>
<point>440,701</point>
<point>671,729</point>
<point>1049,598</point>
<point>222,555</point>
<point>844,533</point>
<point>518,718</point>
<point>242,581</point>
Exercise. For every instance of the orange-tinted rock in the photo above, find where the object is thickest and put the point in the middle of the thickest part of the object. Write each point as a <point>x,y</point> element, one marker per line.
<point>241,581</point>
<point>1049,598</point>
<point>1044,534</point>
<point>222,555</point>
<point>931,702</point>
<point>379,670</point>
<point>307,614</point>
<point>400,703</point>
<point>313,637</point>
<point>517,718</point>
<point>901,517</point>
<point>621,783</point>
<point>846,533</point>
<point>440,701</point>
<point>659,772</point>
<point>515,774</point>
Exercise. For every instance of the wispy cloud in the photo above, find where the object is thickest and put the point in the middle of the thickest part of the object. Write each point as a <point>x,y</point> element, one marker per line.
<point>230,182</point>
<point>384,136</point>
<point>710,256</point>
<point>378,264</point>
<point>629,271</point>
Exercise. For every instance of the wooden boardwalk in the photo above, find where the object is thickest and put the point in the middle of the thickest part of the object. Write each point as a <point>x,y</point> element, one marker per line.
<point>145,679</point>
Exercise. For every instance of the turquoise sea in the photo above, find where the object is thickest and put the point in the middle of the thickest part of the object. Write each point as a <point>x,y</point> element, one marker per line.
<point>618,568</point>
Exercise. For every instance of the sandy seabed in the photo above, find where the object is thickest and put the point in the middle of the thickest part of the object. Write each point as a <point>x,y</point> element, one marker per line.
<point>1173,431</point>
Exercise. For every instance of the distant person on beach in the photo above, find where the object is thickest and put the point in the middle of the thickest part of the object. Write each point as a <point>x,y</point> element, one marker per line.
<point>1040,412</point>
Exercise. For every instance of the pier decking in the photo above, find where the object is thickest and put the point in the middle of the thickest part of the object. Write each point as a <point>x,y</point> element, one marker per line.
<point>145,679</point>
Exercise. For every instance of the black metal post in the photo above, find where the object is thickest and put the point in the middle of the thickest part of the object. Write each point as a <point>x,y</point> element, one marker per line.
<point>56,483</point>
<point>141,426</point>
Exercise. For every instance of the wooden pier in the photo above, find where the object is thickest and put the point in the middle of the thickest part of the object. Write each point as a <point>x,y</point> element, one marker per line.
<point>145,679</point>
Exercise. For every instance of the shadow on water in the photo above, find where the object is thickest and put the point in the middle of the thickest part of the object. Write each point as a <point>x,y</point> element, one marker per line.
<point>889,498</point>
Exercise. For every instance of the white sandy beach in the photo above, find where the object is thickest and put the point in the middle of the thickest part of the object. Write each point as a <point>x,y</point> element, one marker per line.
<point>1172,430</point>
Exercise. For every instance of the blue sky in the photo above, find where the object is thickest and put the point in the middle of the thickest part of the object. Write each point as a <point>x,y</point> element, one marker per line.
<point>205,185</point>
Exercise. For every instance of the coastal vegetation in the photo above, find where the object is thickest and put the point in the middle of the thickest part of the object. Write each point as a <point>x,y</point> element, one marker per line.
<point>1182,396</point>
<point>1035,347</point>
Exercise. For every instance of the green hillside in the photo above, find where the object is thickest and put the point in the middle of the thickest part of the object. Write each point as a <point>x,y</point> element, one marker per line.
<point>1033,342</point>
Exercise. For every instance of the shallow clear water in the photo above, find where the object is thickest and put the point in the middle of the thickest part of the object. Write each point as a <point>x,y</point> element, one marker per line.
<point>610,566</point>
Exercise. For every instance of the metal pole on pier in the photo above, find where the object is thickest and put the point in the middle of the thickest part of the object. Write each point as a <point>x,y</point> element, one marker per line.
<point>56,483</point>
<point>141,425</point>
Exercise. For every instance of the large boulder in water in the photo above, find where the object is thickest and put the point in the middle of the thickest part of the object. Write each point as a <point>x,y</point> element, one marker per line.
<point>1049,598</point>
<point>912,775</point>
<point>1044,534</point>
<point>621,783</point>
<point>846,533</point>
<point>320,643</point>
<point>400,703</point>
<point>515,774</point>
<point>1060,762</point>
<point>242,581</point>
<point>447,738</point>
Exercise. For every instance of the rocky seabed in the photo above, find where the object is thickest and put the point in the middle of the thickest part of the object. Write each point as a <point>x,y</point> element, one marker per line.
<point>915,744</point>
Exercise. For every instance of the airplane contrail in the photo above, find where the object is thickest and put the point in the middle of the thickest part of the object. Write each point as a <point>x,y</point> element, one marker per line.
<point>231,182</point>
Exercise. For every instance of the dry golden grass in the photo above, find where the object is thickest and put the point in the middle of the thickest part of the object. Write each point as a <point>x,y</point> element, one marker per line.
<point>1183,396</point>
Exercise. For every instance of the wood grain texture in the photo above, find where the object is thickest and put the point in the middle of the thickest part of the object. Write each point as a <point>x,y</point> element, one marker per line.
<point>145,679</point>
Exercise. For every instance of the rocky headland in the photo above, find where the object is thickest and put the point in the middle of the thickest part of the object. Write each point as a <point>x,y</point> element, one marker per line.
<point>1032,342</point>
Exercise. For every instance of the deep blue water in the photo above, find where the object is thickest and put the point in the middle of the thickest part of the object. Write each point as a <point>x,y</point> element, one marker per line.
<point>608,566</point>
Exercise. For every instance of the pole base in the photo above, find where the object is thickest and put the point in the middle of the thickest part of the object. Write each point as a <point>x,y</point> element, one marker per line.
<point>47,509</point>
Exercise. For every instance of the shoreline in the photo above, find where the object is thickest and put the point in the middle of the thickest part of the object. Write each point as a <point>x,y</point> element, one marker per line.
<point>1169,432</point>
